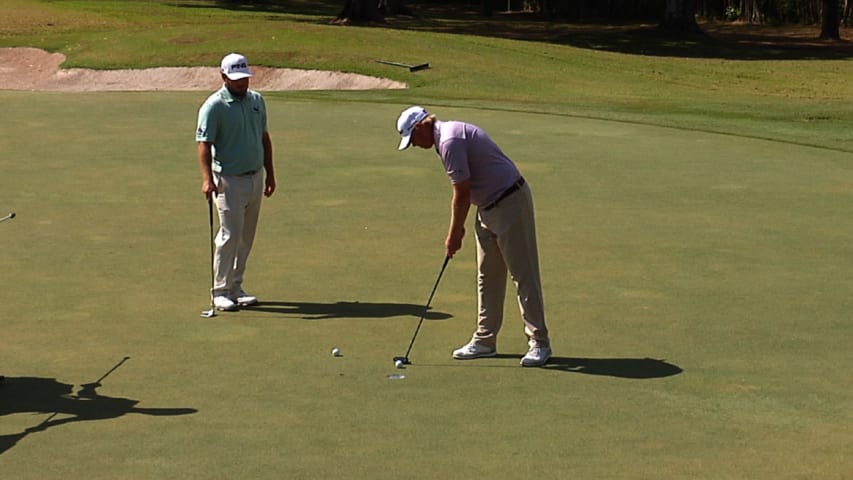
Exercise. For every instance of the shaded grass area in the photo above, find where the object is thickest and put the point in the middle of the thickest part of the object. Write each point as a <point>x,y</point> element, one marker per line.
<point>695,286</point>
<point>734,41</point>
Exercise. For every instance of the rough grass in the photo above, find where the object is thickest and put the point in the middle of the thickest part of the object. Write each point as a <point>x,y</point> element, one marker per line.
<point>755,81</point>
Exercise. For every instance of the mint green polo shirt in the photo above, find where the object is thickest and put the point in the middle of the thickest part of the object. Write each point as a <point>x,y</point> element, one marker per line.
<point>235,128</point>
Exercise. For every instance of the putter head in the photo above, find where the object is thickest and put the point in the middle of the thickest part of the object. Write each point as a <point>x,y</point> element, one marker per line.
<point>405,360</point>
<point>209,313</point>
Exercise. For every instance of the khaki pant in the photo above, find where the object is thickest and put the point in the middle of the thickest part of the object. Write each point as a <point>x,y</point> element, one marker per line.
<point>239,205</point>
<point>506,243</point>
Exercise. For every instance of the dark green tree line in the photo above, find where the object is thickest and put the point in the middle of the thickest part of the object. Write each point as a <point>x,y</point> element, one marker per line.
<point>774,11</point>
<point>750,11</point>
<point>677,16</point>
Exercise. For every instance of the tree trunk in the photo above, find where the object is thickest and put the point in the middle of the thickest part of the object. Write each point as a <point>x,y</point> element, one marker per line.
<point>829,20</point>
<point>680,18</point>
<point>360,11</point>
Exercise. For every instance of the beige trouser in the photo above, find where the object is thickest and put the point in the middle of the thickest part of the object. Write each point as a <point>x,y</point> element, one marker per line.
<point>506,241</point>
<point>239,205</point>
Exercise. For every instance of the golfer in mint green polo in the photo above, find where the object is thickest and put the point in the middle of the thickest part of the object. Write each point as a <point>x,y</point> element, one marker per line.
<point>235,154</point>
<point>505,229</point>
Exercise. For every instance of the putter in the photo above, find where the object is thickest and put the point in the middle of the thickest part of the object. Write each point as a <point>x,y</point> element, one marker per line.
<point>212,312</point>
<point>405,358</point>
<point>7,217</point>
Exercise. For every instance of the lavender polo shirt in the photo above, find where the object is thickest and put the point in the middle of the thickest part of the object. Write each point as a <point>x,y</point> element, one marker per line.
<point>468,153</point>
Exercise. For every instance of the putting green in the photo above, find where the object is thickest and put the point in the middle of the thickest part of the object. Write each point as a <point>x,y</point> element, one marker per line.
<point>697,288</point>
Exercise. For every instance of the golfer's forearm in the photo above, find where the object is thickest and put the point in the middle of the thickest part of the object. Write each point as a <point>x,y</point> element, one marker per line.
<point>205,160</point>
<point>459,212</point>
<point>268,163</point>
<point>460,205</point>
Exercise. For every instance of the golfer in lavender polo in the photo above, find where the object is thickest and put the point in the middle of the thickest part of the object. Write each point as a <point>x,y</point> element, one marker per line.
<point>482,175</point>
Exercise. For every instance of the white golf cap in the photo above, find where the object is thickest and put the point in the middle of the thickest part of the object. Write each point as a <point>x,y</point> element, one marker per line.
<point>406,124</point>
<point>235,66</point>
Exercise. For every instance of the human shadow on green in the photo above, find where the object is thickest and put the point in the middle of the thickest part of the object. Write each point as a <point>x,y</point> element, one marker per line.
<point>323,311</point>
<point>35,395</point>
<point>636,368</point>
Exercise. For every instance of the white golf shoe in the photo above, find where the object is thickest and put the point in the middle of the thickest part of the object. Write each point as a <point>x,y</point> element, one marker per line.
<point>537,356</point>
<point>221,302</point>
<point>473,350</point>
<point>246,300</point>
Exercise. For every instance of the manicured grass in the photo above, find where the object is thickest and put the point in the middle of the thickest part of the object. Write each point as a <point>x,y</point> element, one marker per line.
<point>719,260</point>
<point>696,283</point>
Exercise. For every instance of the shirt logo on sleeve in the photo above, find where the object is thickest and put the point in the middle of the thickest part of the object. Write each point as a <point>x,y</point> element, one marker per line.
<point>202,131</point>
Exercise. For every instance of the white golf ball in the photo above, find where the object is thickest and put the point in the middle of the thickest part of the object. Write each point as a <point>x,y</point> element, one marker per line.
<point>336,352</point>
<point>398,364</point>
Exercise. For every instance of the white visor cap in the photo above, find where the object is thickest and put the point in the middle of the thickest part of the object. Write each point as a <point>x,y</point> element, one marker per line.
<point>407,122</point>
<point>235,66</point>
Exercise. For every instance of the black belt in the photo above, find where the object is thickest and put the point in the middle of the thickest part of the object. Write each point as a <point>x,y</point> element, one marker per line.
<point>509,191</point>
<point>246,174</point>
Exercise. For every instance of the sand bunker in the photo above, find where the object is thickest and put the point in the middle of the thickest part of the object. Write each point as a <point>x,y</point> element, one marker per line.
<point>35,69</point>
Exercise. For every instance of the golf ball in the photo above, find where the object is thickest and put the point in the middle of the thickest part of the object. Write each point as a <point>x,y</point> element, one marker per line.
<point>398,364</point>
<point>336,352</point>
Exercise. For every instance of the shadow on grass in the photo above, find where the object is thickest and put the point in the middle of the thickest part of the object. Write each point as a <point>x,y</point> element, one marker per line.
<point>636,368</point>
<point>740,42</point>
<point>633,368</point>
<point>290,7</point>
<point>323,311</point>
<point>48,396</point>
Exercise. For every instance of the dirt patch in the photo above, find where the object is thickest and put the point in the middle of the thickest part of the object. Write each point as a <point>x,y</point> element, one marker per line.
<point>35,69</point>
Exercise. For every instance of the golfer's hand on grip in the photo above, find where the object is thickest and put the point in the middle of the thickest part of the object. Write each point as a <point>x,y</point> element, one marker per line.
<point>208,188</point>
<point>453,243</point>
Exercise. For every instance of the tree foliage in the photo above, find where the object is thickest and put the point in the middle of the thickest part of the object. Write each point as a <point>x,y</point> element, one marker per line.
<point>750,11</point>
<point>679,15</point>
<point>673,15</point>
<point>773,11</point>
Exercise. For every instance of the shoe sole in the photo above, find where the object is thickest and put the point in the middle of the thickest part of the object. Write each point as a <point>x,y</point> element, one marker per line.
<point>248,304</point>
<point>479,355</point>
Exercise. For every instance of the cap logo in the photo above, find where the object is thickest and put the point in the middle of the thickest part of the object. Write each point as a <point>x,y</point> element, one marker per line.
<point>235,66</point>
